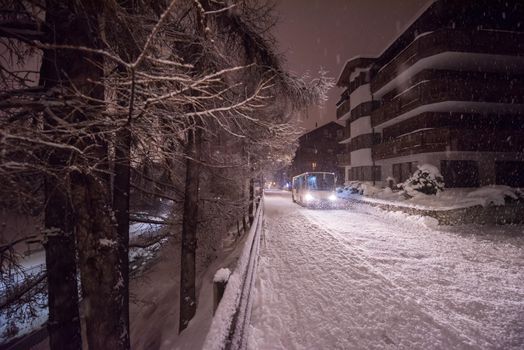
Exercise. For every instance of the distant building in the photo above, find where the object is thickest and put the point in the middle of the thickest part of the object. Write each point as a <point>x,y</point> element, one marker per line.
<point>318,150</point>
<point>449,91</point>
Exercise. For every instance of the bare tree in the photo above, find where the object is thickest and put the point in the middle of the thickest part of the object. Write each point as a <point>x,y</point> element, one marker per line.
<point>124,84</point>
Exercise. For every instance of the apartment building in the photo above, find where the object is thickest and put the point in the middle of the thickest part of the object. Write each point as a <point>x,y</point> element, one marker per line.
<point>319,150</point>
<point>448,91</point>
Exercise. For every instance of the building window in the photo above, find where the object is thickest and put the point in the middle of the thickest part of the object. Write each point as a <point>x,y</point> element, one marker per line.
<point>314,165</point>
<point>402,171</point>
<point>460,173</point>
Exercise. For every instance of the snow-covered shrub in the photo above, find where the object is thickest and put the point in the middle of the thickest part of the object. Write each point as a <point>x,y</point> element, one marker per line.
<point>426,179</point>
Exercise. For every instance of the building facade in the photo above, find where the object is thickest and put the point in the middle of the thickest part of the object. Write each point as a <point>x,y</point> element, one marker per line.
<point>449,91</point>
<point>318,150</point>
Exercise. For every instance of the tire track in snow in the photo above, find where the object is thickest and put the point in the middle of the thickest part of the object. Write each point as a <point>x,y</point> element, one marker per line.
<point>401,292</point>
<point>310,295</point>
<point>487,312</point>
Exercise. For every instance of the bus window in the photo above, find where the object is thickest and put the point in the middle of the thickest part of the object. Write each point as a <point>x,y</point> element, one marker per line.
<point>321,182</point>
<point>312,182</point>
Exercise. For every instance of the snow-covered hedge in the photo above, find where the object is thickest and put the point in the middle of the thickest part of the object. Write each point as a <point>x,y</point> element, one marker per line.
<point>426,179</point>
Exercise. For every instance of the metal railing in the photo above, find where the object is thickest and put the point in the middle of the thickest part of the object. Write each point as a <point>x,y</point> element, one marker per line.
<point>231,320</point>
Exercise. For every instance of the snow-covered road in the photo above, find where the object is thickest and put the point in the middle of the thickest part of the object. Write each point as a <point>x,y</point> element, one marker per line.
<point>367,279</point>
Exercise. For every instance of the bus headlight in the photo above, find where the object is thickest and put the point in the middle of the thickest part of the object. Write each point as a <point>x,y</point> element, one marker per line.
<point>309,197</point>
<point>333,197</point>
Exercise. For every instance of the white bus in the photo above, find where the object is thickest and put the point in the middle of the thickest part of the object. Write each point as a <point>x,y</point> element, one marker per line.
<point>314,189</point>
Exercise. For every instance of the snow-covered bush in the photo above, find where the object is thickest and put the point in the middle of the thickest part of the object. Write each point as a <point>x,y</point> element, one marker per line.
<point>426,179</point>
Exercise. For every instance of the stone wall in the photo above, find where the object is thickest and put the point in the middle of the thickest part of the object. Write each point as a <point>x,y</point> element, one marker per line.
<point>511,213</point>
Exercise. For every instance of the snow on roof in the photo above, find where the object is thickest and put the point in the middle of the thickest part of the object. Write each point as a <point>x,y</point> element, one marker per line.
<point>360,61</point>
<point>413,19</point>
<point>351,65</point>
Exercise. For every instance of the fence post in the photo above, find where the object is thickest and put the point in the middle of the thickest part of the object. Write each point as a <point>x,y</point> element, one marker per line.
<point>238,228</point>
<point>244,223</point>
<point>251,211</point>
<point>219,286</point>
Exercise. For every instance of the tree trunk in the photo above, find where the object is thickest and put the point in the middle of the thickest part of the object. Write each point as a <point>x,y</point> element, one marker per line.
<point>60,252</point>
<point>100,264</point>
<point>122,178</point>
<point>121,207</point>
<point>188,300</point>
<point>64,323</point>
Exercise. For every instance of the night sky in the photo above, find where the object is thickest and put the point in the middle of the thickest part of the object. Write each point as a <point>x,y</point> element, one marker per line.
<point>326,33</point>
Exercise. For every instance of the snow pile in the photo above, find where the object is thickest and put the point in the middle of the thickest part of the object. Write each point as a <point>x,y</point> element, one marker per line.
<point>426,179</point>
<point>222,275</point>
<point>495,195</point>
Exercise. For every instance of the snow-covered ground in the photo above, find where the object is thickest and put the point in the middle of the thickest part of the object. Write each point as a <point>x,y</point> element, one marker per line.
<point>34,263</point>
<point>154,309</point>
<point>363,278</point>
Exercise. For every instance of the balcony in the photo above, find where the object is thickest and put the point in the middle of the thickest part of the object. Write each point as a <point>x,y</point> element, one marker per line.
<point>364,141</point>
<point>362,110</point>
<point>345,135</point>
<point>344,159</point>
<point>465,89</point>
<point>343,108</point>
<point>448,40</point>
<point>445,139</point>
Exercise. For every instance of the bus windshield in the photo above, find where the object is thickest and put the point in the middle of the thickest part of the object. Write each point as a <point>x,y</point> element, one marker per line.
<point>321,182</point>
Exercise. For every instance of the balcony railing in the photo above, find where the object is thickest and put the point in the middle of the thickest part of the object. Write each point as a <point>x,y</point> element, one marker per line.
<point>434,140</point>
<point>443,40</point>
<point>343,108</point>
<point>344,159</point>
<point>445,139</point>
<point>441,90</point>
